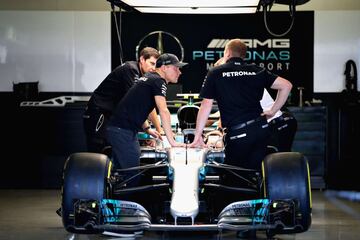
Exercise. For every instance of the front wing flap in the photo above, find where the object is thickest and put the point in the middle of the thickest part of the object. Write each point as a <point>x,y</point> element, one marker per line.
<point>259,214</point>
<point>117,215</point>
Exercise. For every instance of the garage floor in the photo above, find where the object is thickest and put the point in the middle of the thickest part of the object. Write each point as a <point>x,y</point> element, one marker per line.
<point>30,214</point>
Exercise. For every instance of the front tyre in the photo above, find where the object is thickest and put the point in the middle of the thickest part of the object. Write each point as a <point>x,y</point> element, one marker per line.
<point>286,176</point>
<point>85,177</point>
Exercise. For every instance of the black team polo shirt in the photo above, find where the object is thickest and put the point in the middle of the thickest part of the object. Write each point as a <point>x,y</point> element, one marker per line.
<point>238,88</point>
<point>134,108</point>
<point>114,87</point>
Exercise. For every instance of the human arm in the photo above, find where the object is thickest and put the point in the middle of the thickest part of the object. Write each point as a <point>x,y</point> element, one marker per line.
<point>166,121</point>
<point>284,87</point>
<point>202,116</point>
<point>148,130</point>
<point>153,117</point>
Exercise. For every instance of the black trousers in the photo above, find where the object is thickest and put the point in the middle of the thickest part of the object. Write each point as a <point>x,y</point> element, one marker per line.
<point>95,121</point>
<point>246,147</point>
<point>125,150</point>
<point>283,131</point>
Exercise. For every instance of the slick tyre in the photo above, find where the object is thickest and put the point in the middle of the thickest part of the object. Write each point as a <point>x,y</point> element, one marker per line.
<point>286,176</point>
<point>84,177</point>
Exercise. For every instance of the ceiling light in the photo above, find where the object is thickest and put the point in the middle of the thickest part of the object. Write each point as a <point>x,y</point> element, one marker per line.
<point>191,6</point>
<point>195,10</point>
<point>191,3</point>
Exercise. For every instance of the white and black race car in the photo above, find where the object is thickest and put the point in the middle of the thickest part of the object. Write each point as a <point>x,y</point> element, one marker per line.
<point>186,189</point>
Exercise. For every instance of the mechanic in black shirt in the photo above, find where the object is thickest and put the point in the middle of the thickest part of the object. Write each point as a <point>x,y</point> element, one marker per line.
<point>130,114</point>
<point>238,88</point>
<point>109,93</point>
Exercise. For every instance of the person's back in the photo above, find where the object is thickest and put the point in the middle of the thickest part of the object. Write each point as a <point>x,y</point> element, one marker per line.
<point>244,85</point>
<point>238,88</point>
<point>114,87</point>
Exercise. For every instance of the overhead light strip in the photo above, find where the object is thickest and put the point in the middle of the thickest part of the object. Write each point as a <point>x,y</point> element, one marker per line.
<point>191,3</point>
<point>202,10</point>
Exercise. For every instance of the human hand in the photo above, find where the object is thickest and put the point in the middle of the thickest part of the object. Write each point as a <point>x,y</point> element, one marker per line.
<point>155,134</point>
<point>198,142</point>
<point>268,114</point>
<point>161,131</point>
<point>150,143</point>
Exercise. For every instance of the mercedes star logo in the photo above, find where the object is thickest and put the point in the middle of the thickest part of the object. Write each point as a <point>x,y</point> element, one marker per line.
<point>164,42</point>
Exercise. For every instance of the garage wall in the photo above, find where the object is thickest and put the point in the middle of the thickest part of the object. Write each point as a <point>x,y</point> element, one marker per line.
<point>336,40</point>
<point>69,51</point>
<point>65,51</point>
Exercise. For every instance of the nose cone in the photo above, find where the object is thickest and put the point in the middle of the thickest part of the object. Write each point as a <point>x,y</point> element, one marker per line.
<point>186,164</point>
<point>184,204</point>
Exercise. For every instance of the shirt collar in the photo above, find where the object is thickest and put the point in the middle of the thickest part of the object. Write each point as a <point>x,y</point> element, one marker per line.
<point>157,76</point>
<point>235,59</point>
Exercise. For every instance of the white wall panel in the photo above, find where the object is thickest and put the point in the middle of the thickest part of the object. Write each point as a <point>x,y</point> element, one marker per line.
<point>336,40</point>
<point>65,51</point>
<point>70,50</point>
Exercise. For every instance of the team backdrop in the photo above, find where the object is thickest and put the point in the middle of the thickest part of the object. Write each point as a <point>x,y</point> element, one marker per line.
<point>200,40</point>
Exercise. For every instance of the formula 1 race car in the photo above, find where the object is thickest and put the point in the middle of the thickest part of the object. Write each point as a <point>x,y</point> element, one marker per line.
<point>186,189</point>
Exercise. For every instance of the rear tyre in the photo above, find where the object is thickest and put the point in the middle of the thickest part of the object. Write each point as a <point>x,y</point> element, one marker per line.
<point>286,176</point>
<point>85,177</point>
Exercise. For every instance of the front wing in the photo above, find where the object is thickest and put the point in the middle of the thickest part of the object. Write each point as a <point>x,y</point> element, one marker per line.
<point>117,215</point>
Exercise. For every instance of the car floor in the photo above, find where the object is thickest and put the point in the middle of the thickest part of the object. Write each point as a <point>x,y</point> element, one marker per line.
<point>30,214</point>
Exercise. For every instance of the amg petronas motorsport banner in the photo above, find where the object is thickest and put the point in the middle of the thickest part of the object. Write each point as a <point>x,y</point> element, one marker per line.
<point>200,40</point>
